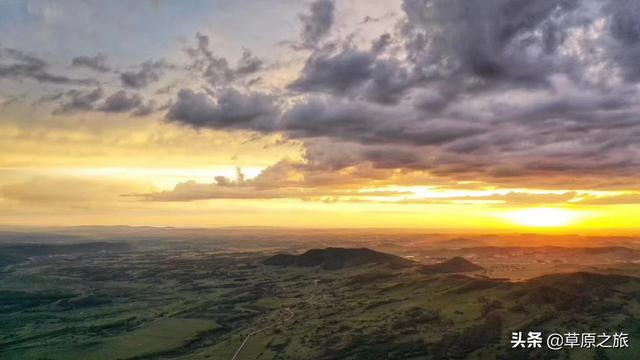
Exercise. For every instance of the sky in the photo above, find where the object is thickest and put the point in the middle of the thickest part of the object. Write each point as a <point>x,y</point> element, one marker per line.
<point>496,115</point>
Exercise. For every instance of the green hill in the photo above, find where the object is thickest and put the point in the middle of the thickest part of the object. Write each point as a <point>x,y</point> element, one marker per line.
<point>338,258</point>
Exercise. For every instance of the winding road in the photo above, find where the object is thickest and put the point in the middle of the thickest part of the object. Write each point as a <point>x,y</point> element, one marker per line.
<point>291,315</point>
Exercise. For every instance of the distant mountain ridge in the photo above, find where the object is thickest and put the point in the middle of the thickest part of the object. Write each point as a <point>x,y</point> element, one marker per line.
<point>333,258</point>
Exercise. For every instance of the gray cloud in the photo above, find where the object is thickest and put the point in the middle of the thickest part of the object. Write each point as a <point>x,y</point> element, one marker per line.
<point>216,70</point>
<point>367,123</point>
<point>381,43</point>
<point>120,102</point>
<point>508,92</point>
<point>148,72</point>
<point>491,41</point>
<point>317,23</point>
<point>551,91</point>
<point>97,62</point>
<point>355,73</point>
<point>337,73</point>
<point>74,101</point>
<point>229,110</point>
<point>348,121</point>
<point>15,64</point>
<point>79,101</point>
<point>248,64</point>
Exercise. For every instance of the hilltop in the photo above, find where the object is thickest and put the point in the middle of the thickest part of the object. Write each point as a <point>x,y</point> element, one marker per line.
<point>338,258</point>
<point>454,265</point>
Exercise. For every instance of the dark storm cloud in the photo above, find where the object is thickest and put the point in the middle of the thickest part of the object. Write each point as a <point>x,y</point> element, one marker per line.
<point>97,62</point>
<point>229,110</point>
<point>120,102</point>
<point>317,23</point>
<point>491,41</point>
<point>624,27</point>
<point>355,73</point>
<point>79,101</point>
<point>360,122</point>
<point>216,70</point>
<point>509,92</point>
<point>366,123</point>
<point>337,73</point>
<point>15,64</point>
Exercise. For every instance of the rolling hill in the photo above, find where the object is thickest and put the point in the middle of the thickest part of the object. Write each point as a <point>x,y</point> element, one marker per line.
<point>333,258</point>
<point>453,265</point>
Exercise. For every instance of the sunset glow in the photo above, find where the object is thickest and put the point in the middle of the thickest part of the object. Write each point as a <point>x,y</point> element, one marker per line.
<point>543,217</point>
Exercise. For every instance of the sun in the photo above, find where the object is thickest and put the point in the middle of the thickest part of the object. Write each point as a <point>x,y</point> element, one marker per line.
<point>542,217</point>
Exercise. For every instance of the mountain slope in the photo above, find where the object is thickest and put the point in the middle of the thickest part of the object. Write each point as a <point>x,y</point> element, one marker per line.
<point>453,265</point>
<point>338,258</point>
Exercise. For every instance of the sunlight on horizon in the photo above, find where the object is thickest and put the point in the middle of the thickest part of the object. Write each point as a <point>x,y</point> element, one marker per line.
<point>543,217</point>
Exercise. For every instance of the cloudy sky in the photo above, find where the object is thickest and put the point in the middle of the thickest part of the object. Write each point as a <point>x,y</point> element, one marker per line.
<point>443,114</point>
